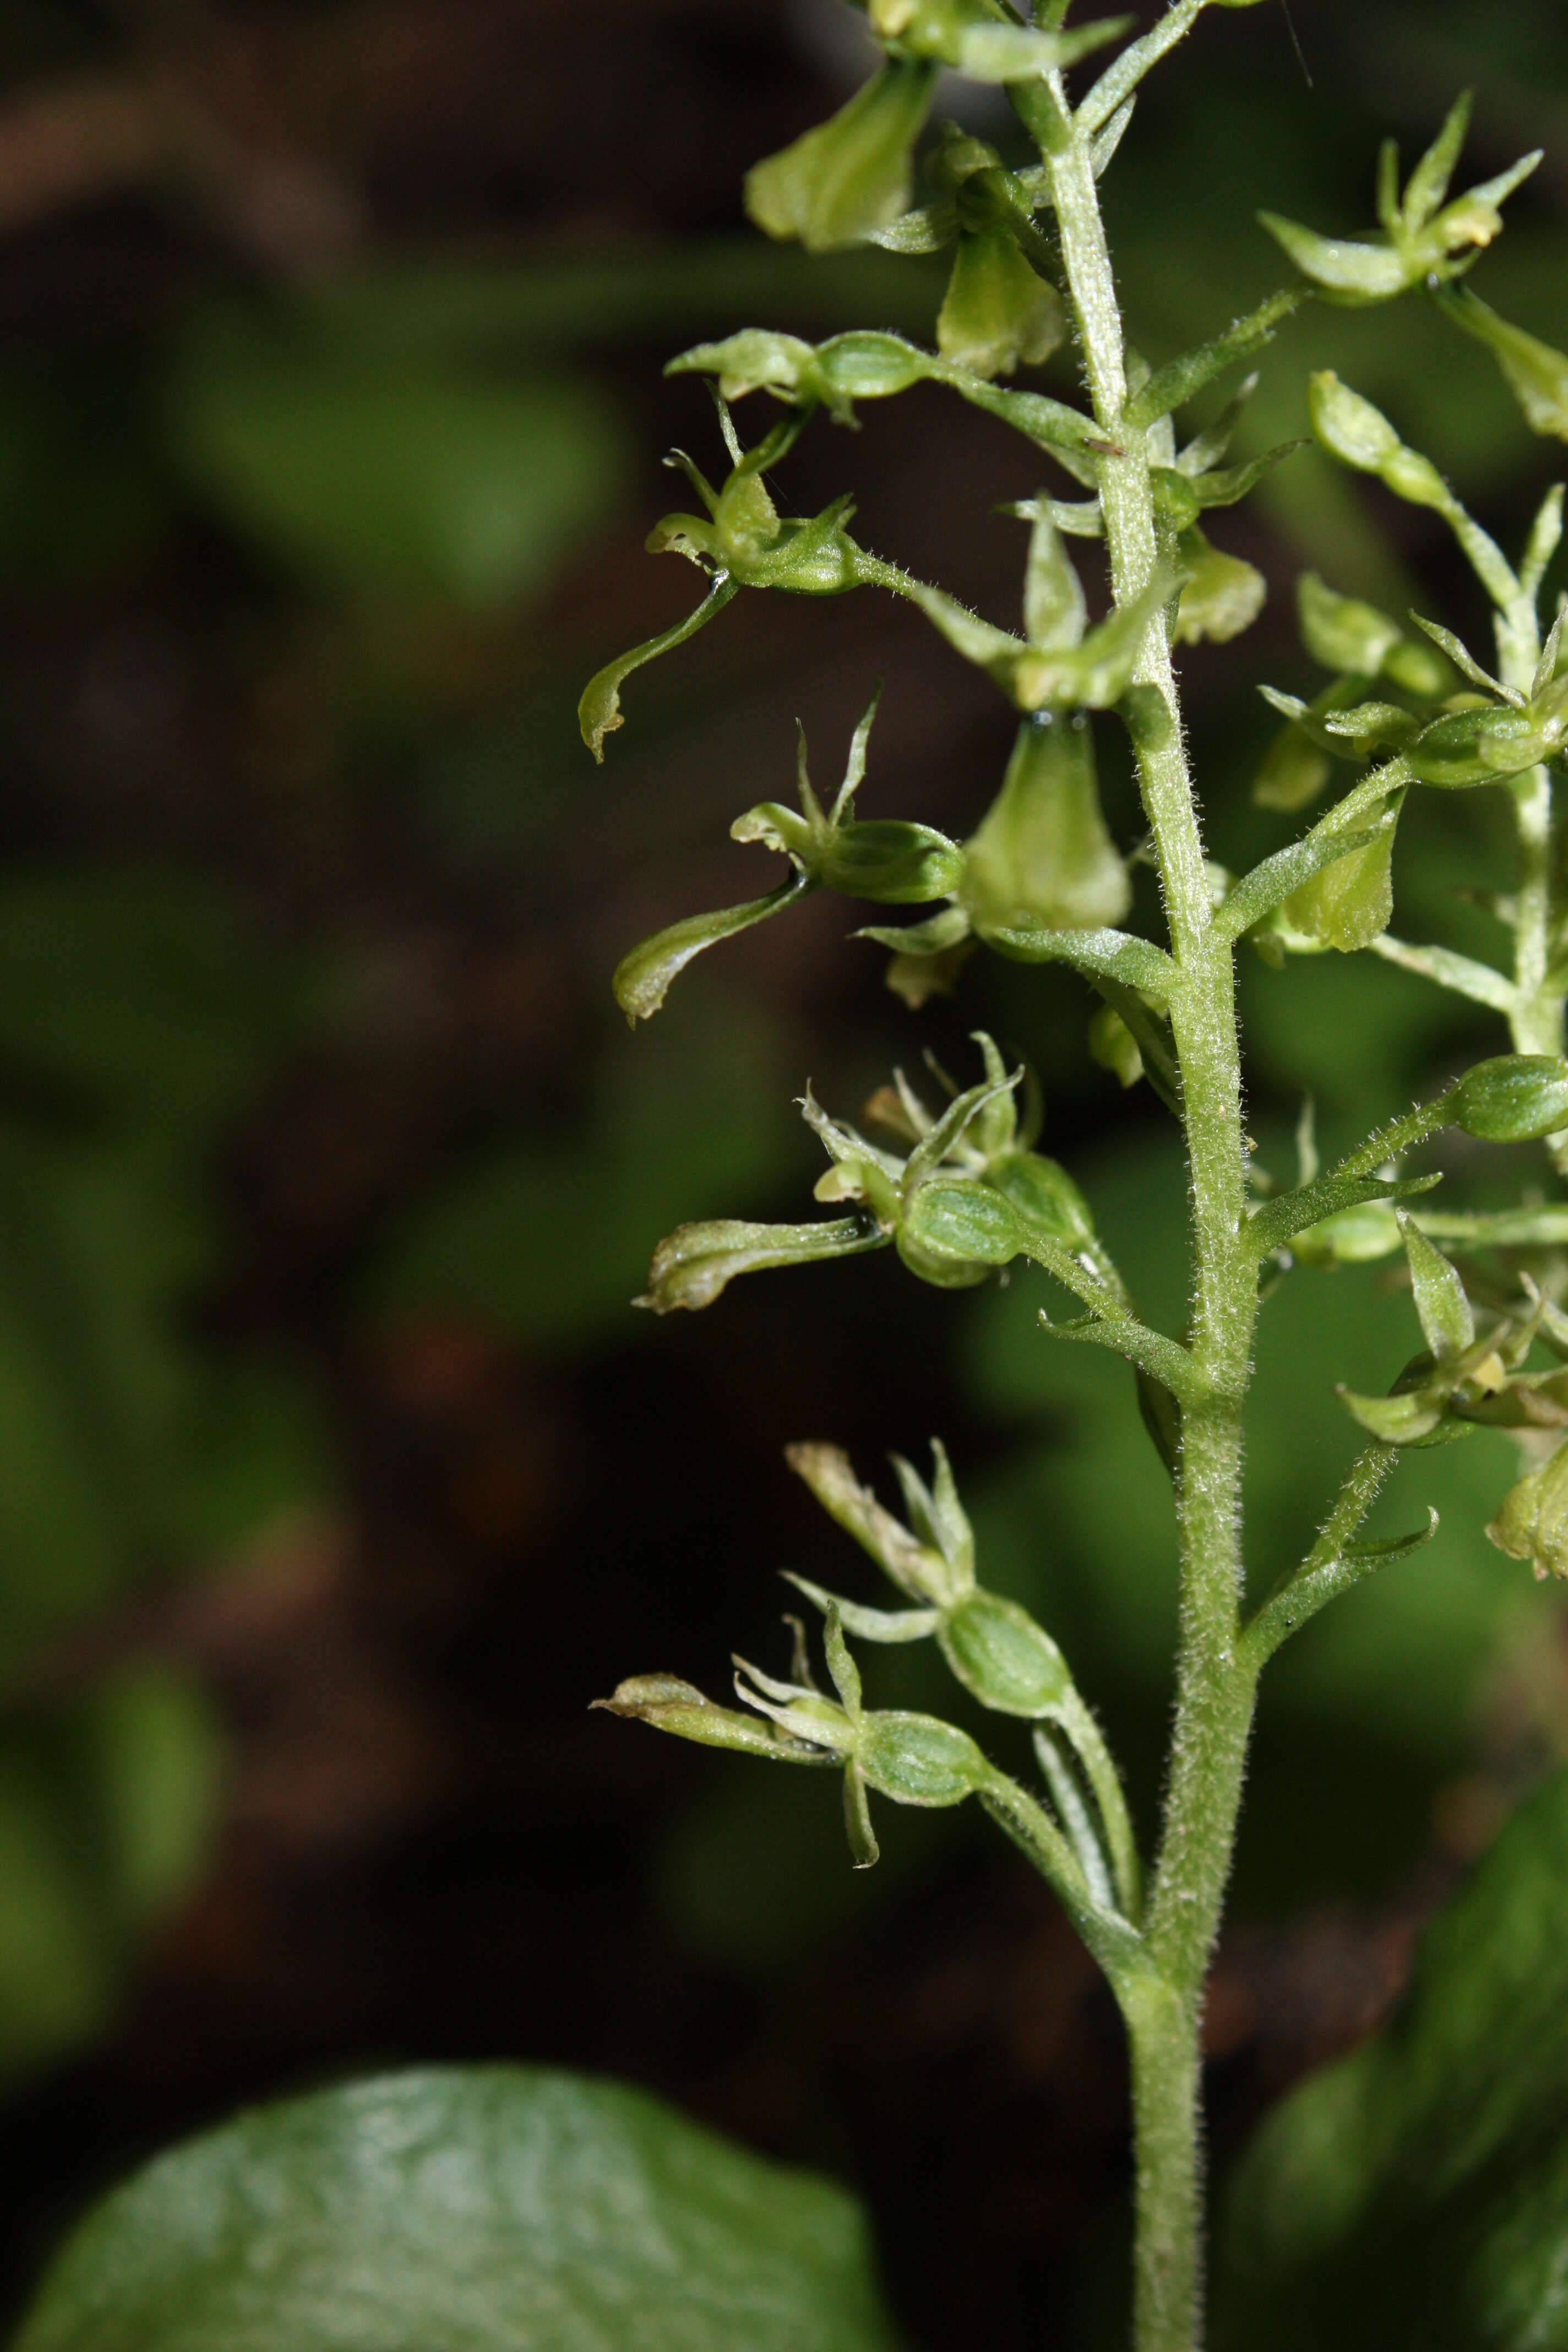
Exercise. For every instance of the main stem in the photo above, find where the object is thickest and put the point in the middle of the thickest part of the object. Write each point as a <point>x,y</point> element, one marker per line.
<point>1215,1687</point>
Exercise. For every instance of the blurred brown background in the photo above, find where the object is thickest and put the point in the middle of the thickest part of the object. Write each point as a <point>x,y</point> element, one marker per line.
<point>335,1475</point>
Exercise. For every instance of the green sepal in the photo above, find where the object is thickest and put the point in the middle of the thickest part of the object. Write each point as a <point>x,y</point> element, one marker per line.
<point>1339,268</point>
<point>1113,1047</point>
<point>694,1264</point>
<point>1531,1521</point>
<point>1044,1195</point>
<point>1356,1237</point>
<point>1412,1420</point>
<point>981,42</point>
<point>1296,771</point>
<point>885,859</point>
<point>1221,597</point>
<point>1346,636</point>
<point>933,1571</point>
<point>1056,615</point>
<point>851,174</point>
<point>927,229</point>
<point>1225,486</point>
<point>1042,856</point>
<point>869,1624</point>
<point>997,311</point>
<point>1448,1323</point>
<point>938,935</point>
<point>1093,675</point>
<point>854,366</point>
<point>1355,731</point>
<point>1545,539</point>
<point>599,710</point>
<point>642,979</point>
<point>1425,242</point>
<point>1359,435</point>
<point>668,1704</point>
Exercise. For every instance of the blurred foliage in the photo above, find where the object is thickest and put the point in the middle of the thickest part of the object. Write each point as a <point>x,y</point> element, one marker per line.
<point>135,1021</point>
<point>547,1240</point>
<point>385,474</point>
<point>1416,2191</point>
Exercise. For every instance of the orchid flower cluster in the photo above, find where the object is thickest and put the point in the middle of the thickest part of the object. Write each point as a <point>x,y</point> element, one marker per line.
<point>961,1191</point>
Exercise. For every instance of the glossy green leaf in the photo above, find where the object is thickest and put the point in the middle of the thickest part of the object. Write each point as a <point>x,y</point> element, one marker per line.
<point>1415,2194</point>
<point>473,2209</point>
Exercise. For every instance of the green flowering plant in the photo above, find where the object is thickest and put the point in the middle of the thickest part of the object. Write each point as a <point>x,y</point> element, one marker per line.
<point>1408,705</point>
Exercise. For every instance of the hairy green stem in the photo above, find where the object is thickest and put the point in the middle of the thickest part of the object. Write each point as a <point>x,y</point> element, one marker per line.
<point>1536,1018</point>
<point>1216,1683</point>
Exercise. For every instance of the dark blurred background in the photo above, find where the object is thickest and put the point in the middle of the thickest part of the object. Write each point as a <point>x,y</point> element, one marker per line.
<point>336,1475</point>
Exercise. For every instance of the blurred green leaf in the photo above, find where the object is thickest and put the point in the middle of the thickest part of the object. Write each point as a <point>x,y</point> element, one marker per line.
<point>106,1810</point>
<point>135,1017</point>
<point>138,995</point>
<point>1416,2193</point>
<point>479,2209</point>
<point>383,474</point>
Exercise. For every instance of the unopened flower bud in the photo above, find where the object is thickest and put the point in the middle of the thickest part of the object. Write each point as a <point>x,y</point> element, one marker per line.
<point>997,1652</point>
<point>916,1759</point>
<point>955,1230</point>
<point>1514,1098</point>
